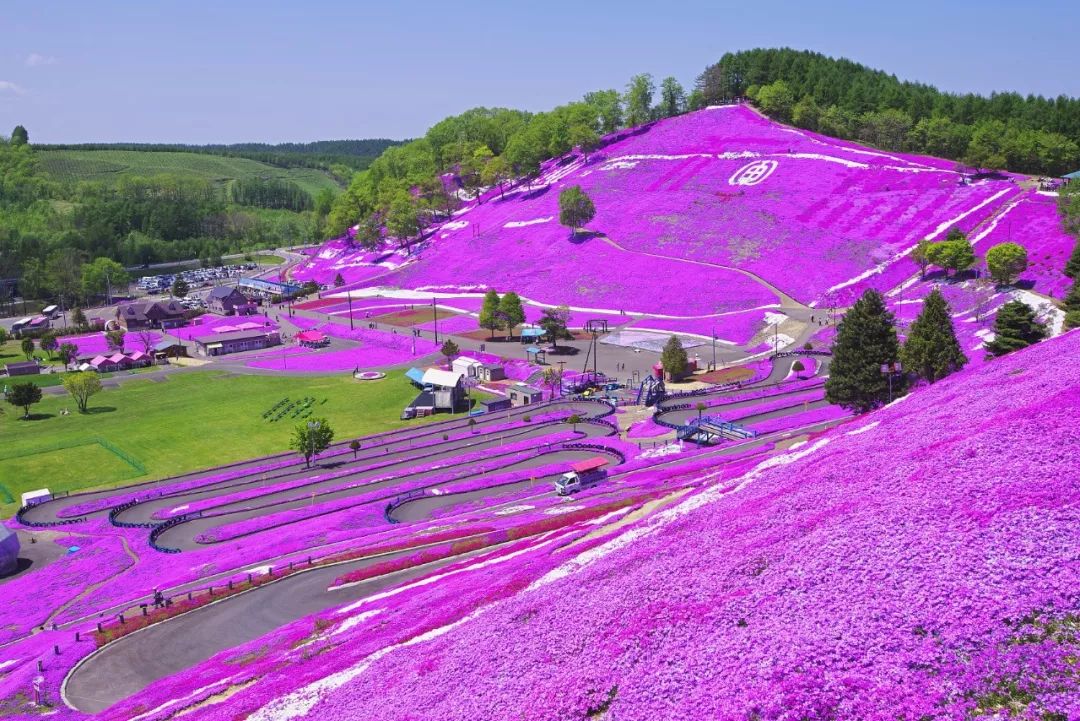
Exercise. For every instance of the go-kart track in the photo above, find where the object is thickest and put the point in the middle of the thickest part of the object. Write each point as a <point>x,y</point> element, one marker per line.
<point>400,494</point>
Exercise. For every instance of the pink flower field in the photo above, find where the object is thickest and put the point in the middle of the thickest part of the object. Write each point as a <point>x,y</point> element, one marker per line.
<point>904,565</point>
<point>681,202</point>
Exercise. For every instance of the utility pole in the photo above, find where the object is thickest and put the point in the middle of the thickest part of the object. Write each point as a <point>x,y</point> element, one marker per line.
<point>713,349</point>
<point>351,327</point>
<point>435,315</point>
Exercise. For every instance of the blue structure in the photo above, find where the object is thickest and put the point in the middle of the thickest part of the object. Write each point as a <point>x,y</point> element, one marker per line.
<point>9,551</point>
<point>652,389</point>
<point>712,429</point>
<point>416,376</point>
<point>531,335</point>
<point>269,287</point>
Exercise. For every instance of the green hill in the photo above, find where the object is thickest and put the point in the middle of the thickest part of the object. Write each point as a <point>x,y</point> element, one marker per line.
<point>107,165</point>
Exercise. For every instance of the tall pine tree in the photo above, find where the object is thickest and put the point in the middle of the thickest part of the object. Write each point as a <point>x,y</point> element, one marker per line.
<point>1072,268</point>
<point>490,317</point>
<point>931,350</point>
<point>511,311</point>
<point>1071,305</point>
<point>674,359</point>
<point>1015,327</point>
<point>865,341</point>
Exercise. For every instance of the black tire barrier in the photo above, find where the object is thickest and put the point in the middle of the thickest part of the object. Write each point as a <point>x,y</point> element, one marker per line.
<point>791,353</point>
<point>595,447</point>
<point>20,515</point>
<point>160,528</point>
<point>117,510</point>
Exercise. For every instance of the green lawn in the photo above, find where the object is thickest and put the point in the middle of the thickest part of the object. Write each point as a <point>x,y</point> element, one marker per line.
<point>194,419</point>
<point>109,165</point>
<point>263,259</point>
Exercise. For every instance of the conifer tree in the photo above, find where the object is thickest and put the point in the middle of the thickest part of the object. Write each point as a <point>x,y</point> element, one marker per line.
<point>931,350</point>
<point>1071,304</point>
<point>511,311</point>
<point>1015,327</point>
<point>865,341</point>
<point>1072,268</point>
<point>490,316</point>
<point>674,359</point>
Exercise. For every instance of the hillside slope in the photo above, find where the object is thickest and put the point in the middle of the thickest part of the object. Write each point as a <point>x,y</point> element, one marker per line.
<point>918,563</point>
<point>687,199</point>
<point>110,165</point>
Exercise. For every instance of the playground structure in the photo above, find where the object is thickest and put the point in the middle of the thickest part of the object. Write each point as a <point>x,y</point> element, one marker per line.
<point>709,430</point>
<point>651,391</point>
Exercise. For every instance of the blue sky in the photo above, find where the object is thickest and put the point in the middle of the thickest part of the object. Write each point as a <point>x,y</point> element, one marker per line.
<point>230,71</point>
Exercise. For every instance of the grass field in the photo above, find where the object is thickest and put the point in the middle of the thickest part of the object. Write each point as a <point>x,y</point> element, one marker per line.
<point>263,259</point>
<point>108,165</point>
<point>192,420</point>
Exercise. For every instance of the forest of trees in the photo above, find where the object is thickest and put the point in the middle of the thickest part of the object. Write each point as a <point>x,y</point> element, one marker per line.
<point>407,187</point>
<point>838,97</point>
<point>322,154</point>
<point>50,232</point>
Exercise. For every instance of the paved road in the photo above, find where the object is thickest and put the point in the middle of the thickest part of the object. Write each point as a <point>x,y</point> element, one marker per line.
<point>715,404</point>
<point>129,665</point>
<point>378,445</point>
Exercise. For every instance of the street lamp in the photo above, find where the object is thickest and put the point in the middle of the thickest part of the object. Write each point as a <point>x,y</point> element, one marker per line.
<point>312,427</point>
<point>889,370</point>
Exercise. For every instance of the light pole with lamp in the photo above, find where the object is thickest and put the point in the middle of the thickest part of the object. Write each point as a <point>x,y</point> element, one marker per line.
<point>713,349</point>
<point>312,427</point>
<point>889,370</point>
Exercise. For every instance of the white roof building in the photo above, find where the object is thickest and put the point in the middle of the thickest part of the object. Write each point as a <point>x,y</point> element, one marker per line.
<point>466,366</point>
<point>441,378</point>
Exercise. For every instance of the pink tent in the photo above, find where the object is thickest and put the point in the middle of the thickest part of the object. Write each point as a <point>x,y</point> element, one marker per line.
<point>310,336</point>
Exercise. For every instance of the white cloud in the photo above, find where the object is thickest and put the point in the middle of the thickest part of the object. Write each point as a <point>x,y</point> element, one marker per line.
<point>35,60</point>
<point>6,86</point>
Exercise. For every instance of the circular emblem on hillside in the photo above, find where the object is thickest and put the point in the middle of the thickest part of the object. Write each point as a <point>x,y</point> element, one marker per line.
<point>753,173</point>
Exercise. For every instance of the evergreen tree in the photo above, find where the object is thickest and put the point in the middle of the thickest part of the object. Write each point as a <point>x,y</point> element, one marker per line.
<point>19,136</point>
<point>1015,327</point>
<point>575,208</point>
<point>865,341</point>
<point>78,317</point>
<point>511,311</point>
<point>180,288</point>
<point>931,350</point>
<point>674,359</point>
<point>1072,268</point>
<point>1071,304</point>
<point>490,317</point>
